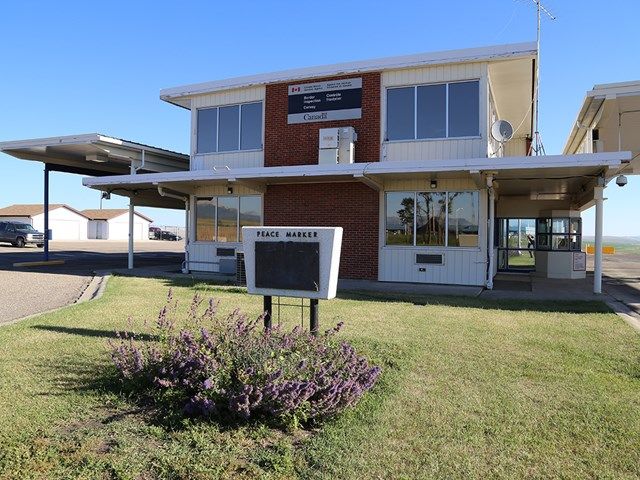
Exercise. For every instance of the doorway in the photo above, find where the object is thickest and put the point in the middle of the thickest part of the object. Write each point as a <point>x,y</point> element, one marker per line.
<point>516,244</point>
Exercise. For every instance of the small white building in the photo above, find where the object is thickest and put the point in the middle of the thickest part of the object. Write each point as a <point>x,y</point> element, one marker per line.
<point>113,224</point>
<point>65,223</point>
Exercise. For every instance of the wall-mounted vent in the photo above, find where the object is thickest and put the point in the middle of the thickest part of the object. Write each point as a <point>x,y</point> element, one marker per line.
<point>241,274</point>
<point>225,252</point>
<point>429,259</point>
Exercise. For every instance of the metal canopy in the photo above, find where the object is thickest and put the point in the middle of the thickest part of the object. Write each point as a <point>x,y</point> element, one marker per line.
<point>97,155</point>
<point>552,174</point>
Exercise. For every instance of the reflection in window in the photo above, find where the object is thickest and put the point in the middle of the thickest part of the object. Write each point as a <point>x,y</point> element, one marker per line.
<point>430,218</point>
<point>399,218</point>
<point>205,217</point>
<point>250,212</point>
<point>227,219</point>
<point>229,213</point>
<point>433,211</point>
<point>463,219</point>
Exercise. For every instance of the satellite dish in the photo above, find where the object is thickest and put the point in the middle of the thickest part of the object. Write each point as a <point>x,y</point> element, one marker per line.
<point>502,131</point>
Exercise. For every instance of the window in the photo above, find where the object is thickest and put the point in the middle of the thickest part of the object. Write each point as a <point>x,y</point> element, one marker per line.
<point>559,234</point>
<point>445,219</point>
<point>445,110</point>
<point>220,219</point>
<point>250,212</point>
<point>399,214</point>
<point>205,216</point>
<point>229,128</point>
<point>430,218</point>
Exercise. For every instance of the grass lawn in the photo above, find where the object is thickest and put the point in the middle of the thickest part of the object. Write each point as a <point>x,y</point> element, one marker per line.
<point>470,389</point>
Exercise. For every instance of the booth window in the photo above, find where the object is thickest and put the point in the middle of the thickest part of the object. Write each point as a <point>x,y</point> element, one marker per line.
<point>444,219</point>
<point>229,128</point>
<point>220,219</point>
<point>443,110</point>
<point>559,233</point>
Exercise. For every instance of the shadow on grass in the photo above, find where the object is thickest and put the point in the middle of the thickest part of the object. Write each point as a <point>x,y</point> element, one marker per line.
<point>92,332</point>
<point>562,306</point>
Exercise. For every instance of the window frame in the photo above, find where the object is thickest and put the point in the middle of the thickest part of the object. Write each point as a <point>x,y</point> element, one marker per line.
<point>217,134</point>
<point>214,199</point>
<point>414,244</point>
<point>415,112</point>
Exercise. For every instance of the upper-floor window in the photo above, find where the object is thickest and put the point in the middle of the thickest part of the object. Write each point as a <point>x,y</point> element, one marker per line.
<point>229,128</point>
<point>443,110</point>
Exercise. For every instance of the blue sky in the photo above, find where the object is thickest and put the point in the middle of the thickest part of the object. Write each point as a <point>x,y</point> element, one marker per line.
<point>81,67</point>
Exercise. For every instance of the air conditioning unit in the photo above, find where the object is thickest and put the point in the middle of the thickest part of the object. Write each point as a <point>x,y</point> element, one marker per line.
<point>337,145</point>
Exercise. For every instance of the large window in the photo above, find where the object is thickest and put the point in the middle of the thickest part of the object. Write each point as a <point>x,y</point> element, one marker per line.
<point>445,219</point>
<point>229,128</point>
<point>559,234</point>
<point>444,110</point>
<point>220,219</point>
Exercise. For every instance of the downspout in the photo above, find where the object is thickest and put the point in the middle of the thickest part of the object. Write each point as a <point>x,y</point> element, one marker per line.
<point>491,232</point>
<point>185,265</point>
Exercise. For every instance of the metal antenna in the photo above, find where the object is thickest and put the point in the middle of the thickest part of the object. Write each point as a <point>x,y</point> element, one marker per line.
<point>536,144</point>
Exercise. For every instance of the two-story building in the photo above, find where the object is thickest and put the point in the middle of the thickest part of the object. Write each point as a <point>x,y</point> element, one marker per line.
<point>399,152</point>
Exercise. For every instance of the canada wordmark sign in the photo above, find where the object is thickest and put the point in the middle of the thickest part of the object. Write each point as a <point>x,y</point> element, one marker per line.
<point>324,101</point>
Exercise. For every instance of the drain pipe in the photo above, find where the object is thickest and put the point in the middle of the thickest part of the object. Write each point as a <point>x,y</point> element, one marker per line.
<point>491,232</point>
<point>185,264</point>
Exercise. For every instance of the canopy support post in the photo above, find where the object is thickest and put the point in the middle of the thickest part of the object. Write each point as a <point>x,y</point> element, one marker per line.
<point>131,213</point>
<point>46,212</point>
<point>598,193</point>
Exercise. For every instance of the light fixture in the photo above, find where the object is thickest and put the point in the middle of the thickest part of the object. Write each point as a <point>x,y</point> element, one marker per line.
<point>434,184</point>
<point>229,190</point>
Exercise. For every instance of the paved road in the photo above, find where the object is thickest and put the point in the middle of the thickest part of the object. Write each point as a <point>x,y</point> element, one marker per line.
<point>29,290</point>
<point>621,277</point>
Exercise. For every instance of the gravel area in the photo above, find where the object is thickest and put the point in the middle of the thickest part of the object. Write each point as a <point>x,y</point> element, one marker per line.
<point>28,293</point>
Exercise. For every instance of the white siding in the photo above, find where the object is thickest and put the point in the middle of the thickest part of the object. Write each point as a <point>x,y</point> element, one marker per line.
<point>436,149</point>
<point>65,224</point>
<point>118,228</point>
<point>247,159</point>
<point>462,266</point>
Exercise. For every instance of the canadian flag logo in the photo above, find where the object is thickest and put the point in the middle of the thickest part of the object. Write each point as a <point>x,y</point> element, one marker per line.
<point>295,89</point>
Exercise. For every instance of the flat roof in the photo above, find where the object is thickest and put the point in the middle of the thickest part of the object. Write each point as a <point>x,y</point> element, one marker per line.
<point>179,95</point>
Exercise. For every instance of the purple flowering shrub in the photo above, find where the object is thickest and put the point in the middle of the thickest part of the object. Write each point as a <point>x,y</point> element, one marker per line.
<point>213,366</point>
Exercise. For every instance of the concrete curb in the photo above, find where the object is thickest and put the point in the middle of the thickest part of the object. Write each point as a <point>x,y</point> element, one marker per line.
<point>624,311</point>
<point>95,289</point>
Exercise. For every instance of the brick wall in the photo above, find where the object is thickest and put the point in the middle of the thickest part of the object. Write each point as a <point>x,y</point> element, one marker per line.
<point>352,206</point>
<point>297,144</point>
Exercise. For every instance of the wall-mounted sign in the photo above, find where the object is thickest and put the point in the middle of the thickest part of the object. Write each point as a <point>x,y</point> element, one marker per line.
<point>324,101</point>
<point>579,261</point>
<point>292,261</point>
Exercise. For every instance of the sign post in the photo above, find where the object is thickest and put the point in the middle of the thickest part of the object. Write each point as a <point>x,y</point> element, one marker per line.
<point>298,262</point>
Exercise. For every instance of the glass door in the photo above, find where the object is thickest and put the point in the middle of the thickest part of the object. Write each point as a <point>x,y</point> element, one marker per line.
<point>516,244</point>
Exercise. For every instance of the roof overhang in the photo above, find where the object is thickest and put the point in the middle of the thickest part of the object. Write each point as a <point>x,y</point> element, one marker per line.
<point>97,155</point>
<point>181,95</point>
<point>572,174</point>
<point>614,110</point>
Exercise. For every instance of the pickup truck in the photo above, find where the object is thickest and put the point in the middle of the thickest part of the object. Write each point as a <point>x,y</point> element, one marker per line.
<point>19,234</point>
